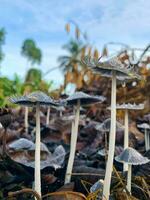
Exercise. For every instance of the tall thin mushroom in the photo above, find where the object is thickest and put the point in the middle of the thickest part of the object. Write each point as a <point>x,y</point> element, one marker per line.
<point>131,157</point>
<point>126,107</point>
<point>35,99</point>
<point>116,70</point>
<point>76,100</point>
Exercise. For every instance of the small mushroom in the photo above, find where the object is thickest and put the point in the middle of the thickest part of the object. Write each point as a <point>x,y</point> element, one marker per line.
<point>113,68</point>
<point>105,127</point>
<point>76,100</point>
<point>131,157</point>
<point>35,99</point>
<point>97,188</point>
<point>146,128</point>
<point>126,107</point>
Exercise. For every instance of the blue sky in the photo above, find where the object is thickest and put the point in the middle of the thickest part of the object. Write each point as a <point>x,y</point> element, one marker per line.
<point>44,20</point>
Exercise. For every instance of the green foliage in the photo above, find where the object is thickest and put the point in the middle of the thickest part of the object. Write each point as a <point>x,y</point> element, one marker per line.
<point>33,75</point>
<point>16,86</point>
<point>31,51</point>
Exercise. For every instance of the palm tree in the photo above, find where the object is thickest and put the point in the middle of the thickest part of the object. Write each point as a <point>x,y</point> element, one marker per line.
<point>33,55</point>
<point>75,49</point>
<point>31,51</point>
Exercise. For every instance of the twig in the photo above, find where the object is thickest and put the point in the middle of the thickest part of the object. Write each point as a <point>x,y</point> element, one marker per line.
<point>23,191</point>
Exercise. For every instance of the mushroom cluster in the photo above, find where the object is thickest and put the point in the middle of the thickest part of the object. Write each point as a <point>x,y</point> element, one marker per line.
<point>126,107</point>
<point>116,70</point>
<point>37,156</point>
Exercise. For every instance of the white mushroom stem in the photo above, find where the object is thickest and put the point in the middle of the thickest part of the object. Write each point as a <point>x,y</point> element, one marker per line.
<point>129,178</point>
<point>74,135</point>
<point>146,139</point>
<point>60,113</point>
<point>26,119</point>
<point>37,174</point>
<point>48,115</point>
<point>126,137</point>
<point>112,137</point>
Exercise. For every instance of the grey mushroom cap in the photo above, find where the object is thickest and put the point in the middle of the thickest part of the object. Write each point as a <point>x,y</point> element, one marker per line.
<point>132,157</point>
<point>84,98</point>
<point>112,64</point>
<point>105,126</point>
<point>97,186</point>
<point>33,99</point>
<point>144,126</point>
<point>129,106</point>
<point>21,144</point>
<point>25,144</point>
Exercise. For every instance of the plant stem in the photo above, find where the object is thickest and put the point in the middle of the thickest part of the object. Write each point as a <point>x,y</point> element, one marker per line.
<point>129,178</point>
<point>74,135</point>
<point>126,137</point>
<point>48,115</point>
<point>112,137</point>
<point>37,153</point>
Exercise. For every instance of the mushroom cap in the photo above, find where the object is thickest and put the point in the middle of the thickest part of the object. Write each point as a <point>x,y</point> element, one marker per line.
<point>84,98</point>
<point>33,99</point>
<point>132,157</point>
<point>144,126</point>
<point>105,126</point>
<point>112,64</point>
<point>21,144</point>
<point>53,160</point>
<point>129,106</point>
<point>25,144</point>
<point>97,186</point>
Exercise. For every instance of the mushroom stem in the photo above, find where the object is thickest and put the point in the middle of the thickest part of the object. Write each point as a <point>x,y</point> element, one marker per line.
<point>37,175</point>
<point>146,139</point>
<point>109,166</point>
<point>74,135</point>
<point>26,119</point>
<point>126,137</point>
<point>129,178</point>
<point>48,115</point>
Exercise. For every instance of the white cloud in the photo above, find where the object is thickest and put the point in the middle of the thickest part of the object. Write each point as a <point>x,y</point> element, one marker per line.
<point>122,21</point>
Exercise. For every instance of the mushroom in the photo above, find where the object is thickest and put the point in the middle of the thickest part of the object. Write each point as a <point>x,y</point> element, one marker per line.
<point>35,99</point>
<point>97,188</point>
<point>131,157</point>
<point>77,99</point>
<point>105,127</point>
<point>126,107</point>
<point>116,70</point>
<point>146,128</point>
